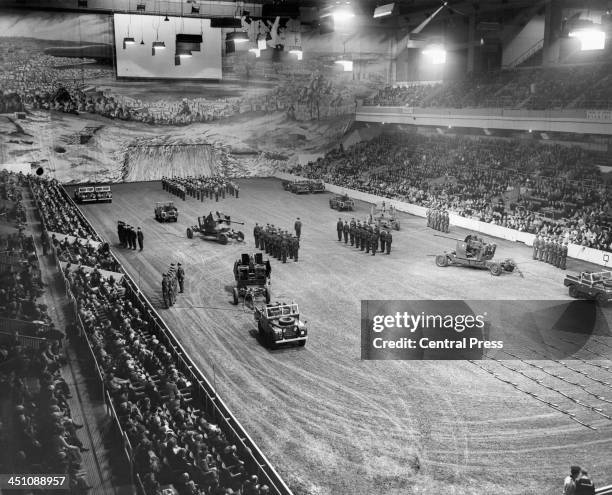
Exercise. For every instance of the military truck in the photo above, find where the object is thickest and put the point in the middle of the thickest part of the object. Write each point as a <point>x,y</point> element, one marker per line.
<point>279,323</point>
<point>590,285</point>
<point>85,194</point>
<point>103,194</point>
<point>216,228</point>
<point>475,252</point>
<point>166,212</point>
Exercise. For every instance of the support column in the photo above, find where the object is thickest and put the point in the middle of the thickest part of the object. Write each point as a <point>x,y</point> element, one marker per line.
<point>553,17</point>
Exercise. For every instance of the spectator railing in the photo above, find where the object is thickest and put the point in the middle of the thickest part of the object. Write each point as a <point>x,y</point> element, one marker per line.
<point>204,392</point>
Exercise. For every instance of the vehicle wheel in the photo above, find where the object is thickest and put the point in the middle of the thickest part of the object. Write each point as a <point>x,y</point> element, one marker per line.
<point>573,291</point>
<point>267,296</point>
<point>301,343</point>
<point>240,236</point>
<point>248,297</point>
<point>189,233</point>
<point>496,269</point>
<point>601,299</point>
<point>442,260</point>
<point>235,294</point>
<point>262,336</point>
<point>222,239</point>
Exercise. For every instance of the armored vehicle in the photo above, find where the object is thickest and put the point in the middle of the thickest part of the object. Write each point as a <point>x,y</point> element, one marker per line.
<point>474,252</point>
<point>590,285</point>
<point>216,228</point>
<point>251,275</point>
<point>166,212</point>
<point>279,323</point>
<point>342,203</point>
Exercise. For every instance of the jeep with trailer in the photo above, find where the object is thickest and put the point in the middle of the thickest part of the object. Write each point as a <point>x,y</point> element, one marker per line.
<point>590,285</point>
<point>279,323</point>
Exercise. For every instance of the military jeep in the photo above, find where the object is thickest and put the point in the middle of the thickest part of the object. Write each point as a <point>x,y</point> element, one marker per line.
<point>279,323</point>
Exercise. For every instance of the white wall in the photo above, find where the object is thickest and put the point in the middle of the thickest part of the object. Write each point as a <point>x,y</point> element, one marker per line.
<point>137,60</point>
<point>527,37</point>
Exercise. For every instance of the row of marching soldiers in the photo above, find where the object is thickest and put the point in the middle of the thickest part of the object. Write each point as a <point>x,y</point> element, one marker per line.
<point>201,187</point>
<point>550,250</point>
<point>438,219</point>
<point>364,236</point>
<point>173,282</point>
<point>276,242</point>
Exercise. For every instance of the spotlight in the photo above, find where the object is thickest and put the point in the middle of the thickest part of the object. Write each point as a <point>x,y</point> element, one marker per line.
<point>296,50</point>
<point>183,53</point>
<point>166,19</point>
<point>342,14</point>
<point>128,41</point>
<point>590,38</point>
<point>141,7</point>
<point>142,41</point>
<point>347,65</point>
<point>436,55</point>
<point>383,10</point>
<point>237,37</point>
<point>159,45</point>
<point>256,51</point>
<point>195,9</point>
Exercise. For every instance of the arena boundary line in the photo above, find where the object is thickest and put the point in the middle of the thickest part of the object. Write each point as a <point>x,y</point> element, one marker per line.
<point>211,400</point>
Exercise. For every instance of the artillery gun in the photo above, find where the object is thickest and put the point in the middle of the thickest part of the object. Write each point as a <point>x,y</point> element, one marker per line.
<point>385,217</point>
<point>166,212</point>
<point>216,228</point>
<point>251,275</point>
<point>474,252</point>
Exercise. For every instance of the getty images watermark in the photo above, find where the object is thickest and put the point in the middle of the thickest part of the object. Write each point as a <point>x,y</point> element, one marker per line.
<point>459,330</point>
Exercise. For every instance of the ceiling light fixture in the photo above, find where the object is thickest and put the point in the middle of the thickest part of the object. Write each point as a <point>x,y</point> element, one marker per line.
<point>383,10</point>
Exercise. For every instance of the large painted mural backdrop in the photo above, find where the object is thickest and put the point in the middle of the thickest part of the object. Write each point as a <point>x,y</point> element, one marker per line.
<point>63,108</point>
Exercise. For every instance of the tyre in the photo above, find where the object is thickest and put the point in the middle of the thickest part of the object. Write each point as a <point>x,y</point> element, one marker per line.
<point>240,237</point>
<point>222,238</point>
<point>601,298</point>
<point>301,343</point>
<point>260,329</point>
<point>189,233</point>
<point>442,260</point>
<point>573,291</point>
<point>235,295</point>
<point>267,296</point>
<point>496,269</point>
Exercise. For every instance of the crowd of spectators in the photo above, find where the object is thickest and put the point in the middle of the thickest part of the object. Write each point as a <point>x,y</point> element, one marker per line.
<point>59,215</point>
<point>530,187</point>
<point>87,253</point>
<point>535,89</point>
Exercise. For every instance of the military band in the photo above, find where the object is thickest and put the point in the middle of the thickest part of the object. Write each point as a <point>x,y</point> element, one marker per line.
<point>201,187</point>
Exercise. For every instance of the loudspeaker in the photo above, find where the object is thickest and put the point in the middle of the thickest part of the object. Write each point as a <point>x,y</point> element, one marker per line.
<point>258,258</point>
<point>245,259</point>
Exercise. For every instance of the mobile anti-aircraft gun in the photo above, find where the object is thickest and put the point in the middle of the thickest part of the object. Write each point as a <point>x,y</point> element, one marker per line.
<point>475,252</point>
<point>590,285</point>
<point>166,212</point>
<point>216,228</point>
<point>251,275</point>
<point>341,203</point>
<point>280,323</point>
<point>385,217</point>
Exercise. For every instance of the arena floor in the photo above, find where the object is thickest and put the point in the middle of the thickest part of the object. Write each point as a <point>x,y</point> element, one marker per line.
<point>334,424</point>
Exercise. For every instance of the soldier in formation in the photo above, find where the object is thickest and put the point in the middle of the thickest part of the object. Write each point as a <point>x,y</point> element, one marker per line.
<point>278,243</point>
<point>129,236</point>
<point>365,237</point>
<point>551,250</point>
<point>201,187</point>
<point>438,219</point>
<point>298,228</point>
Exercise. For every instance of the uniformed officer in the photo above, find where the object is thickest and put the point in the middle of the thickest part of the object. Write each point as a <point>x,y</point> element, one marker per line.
<point>296,248</point>
<point>559,252</point>
<point>357,234</point>
<point>536,247</point>
<point>547,249</point>
<point>284,247</point>
<point>374,241</point>
<point>563,261</point>
<point>120,233</point>
<point>428,213</point>
<point>383,239</point>
<point>166,290</point>
<point>542,248</point>
<point>298,227</point>
<point>367,238</point>
<point>256,233</point>
<point>388,241</point>
<point>352,228</point>
<point>339,229</point>
<point>345,230</point>
<point>446,222</point>
<point>555,253</point>
<point>180,277</point>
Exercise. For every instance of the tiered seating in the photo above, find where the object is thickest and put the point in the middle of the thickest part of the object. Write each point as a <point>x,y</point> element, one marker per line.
<point>548,189</point>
